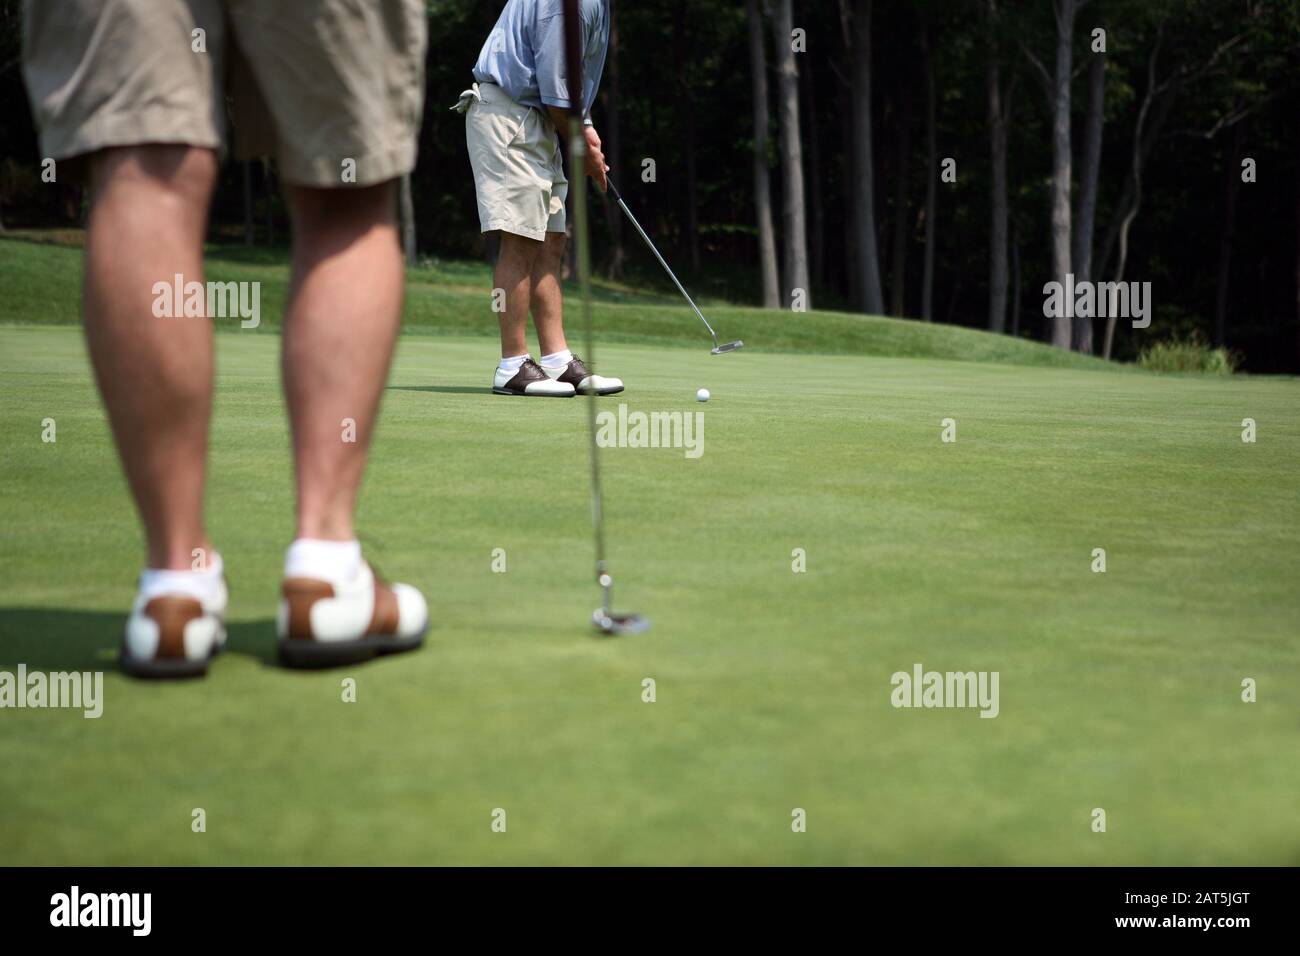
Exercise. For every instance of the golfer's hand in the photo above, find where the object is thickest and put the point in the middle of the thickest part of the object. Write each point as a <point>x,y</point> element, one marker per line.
<point>596,167</point>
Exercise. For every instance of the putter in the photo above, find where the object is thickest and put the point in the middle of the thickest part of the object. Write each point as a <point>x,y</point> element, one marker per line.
<point>605,618</point>
<point>717,349</point>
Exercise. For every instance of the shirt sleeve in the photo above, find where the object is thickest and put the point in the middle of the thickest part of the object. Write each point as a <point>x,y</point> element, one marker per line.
<point>548,62</point>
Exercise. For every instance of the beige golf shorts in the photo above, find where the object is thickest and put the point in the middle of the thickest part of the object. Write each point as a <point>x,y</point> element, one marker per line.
<point>332,89</point>
<point>518,172</point>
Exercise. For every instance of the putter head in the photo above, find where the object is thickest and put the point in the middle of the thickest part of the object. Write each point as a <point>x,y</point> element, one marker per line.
<point>617,624</point>
<point>727,347</point>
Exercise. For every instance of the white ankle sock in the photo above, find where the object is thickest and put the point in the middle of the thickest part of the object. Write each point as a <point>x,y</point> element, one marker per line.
<point>201,585</point>
<point>558,359</point>
<point>334,561</point>
<point>512,363</point>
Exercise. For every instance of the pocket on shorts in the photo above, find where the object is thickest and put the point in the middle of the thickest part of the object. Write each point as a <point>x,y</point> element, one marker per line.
<point>500,124</point>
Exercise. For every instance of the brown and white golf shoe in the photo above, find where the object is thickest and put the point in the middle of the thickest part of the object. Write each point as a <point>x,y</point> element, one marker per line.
<point>327,624</point>
<point>530,380</point>
<point>575,373</point>
<point>174,635</point>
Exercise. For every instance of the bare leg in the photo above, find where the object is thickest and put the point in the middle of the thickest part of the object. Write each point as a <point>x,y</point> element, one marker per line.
<point>548,296</point>
<point>147,219</point>
<point>514,273</point>
<point>344,310</point>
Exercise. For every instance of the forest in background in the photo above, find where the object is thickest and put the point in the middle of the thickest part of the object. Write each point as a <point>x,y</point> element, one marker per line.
<point>939,160</point>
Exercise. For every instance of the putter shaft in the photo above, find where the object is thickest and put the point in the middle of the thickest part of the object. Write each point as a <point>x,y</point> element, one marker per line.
<point>662,261</point>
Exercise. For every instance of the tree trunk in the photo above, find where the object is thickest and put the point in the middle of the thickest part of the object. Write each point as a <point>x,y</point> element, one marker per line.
<point>848,243</point>
<point>898,268</point>
<point>762,184</point>
<point>1231,178</point>
<point>407,215</point>
<point>1141,146</point>
<point>1061,171</point>
<point>1081,251</point>
<point>866,261</point>
<point>998,122</point>
<point>817,234</point>
<point>1015,281</point>
<point>611,145</point>
<point>794,219</point>
<point>931,177</point>
<point>1154,127</point>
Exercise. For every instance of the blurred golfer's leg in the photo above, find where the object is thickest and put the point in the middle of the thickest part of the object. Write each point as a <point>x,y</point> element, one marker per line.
<point>341,116</point>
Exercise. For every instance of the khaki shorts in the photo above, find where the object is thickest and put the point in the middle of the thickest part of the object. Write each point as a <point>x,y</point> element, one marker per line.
<point>314,83</point>
<point>518,172</point>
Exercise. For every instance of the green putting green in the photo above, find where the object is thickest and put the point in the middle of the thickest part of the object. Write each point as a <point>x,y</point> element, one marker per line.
<point>1118,690</point>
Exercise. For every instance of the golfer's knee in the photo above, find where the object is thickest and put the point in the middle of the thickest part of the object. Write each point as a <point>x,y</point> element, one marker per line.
<point>325,215</point>
<point>519,253</point>
<point>552,254</point>
<point>184,175</point>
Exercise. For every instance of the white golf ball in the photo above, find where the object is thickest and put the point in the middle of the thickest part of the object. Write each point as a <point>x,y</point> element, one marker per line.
<point>702,395</point>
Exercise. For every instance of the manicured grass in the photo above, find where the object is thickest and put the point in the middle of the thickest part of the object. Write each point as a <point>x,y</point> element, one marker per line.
<point>454,298</point>
<point>1118,690</point>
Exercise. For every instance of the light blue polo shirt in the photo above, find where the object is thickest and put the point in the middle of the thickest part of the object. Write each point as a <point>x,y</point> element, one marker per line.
<point>524,53</point>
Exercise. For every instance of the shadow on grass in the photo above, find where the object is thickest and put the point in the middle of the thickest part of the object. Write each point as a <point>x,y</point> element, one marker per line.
<point>444,389</point>
<point>47,639</point>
